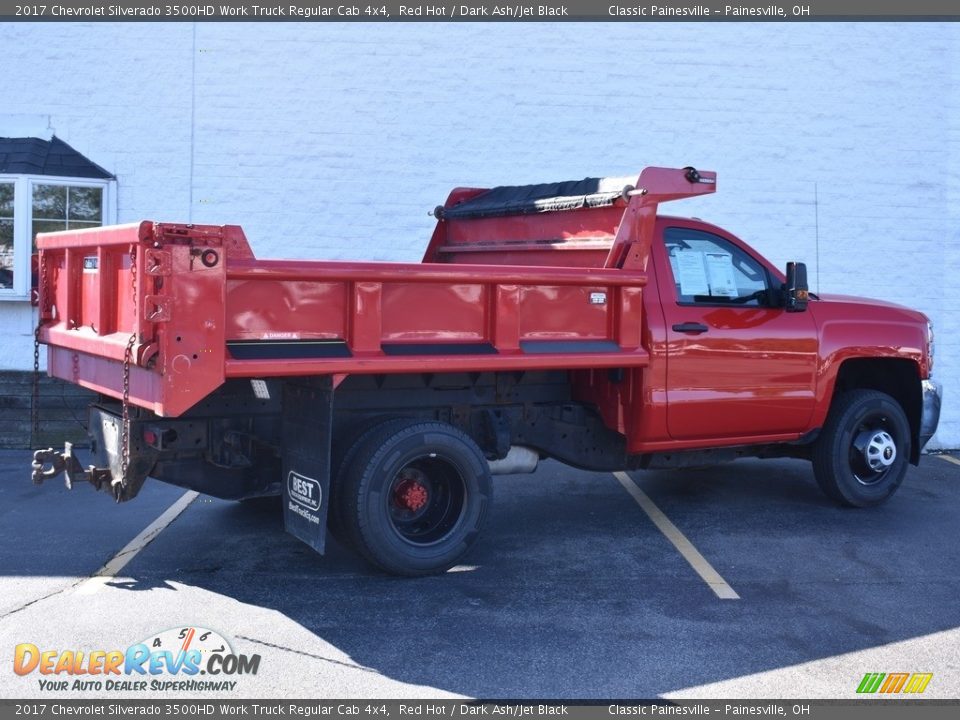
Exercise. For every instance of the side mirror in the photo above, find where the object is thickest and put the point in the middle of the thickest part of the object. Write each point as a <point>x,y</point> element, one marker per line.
<point>795,290</point>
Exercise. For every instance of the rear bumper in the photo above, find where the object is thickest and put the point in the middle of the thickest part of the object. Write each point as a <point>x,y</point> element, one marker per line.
<point>932,395</point>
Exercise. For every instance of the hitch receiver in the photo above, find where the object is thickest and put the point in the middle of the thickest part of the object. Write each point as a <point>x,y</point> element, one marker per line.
<point>66,463</point>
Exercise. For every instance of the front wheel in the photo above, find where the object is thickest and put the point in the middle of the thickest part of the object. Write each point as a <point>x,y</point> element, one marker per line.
<point>415,496</point>
<point>861,455</point>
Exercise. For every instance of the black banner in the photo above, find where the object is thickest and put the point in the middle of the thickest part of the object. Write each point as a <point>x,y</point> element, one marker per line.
<point>473,11</point>
<point>576,709</point>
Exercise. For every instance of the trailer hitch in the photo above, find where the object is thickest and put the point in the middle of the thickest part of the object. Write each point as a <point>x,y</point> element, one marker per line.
<point>48,464</point>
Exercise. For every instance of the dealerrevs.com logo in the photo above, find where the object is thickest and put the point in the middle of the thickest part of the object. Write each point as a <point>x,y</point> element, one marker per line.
<point>189,659</point>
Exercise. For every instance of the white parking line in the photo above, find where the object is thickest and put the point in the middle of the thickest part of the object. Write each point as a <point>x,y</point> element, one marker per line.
<point>670,531</point>
<point>102,576</point>
<point>949,459</point>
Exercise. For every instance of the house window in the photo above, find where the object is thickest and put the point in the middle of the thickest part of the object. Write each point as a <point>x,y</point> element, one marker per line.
<point>45,186</point>
<point>7,261</point>
<point>65,207</point>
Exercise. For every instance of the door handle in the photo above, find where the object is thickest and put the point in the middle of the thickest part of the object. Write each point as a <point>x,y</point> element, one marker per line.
<point>691,327</point>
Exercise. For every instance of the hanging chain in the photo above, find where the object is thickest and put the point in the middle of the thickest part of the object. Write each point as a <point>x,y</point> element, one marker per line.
<point>35,396</point>
<point>35,390</point>
<point>127,357</point>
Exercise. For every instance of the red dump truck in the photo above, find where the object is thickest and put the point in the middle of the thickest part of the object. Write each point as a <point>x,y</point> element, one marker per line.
<point>563,320</point>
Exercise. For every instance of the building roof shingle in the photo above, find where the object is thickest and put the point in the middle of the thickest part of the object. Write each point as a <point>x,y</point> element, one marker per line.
<point>35,156</point>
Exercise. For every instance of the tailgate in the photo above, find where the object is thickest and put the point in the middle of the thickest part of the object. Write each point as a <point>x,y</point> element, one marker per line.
<point>137,310</point>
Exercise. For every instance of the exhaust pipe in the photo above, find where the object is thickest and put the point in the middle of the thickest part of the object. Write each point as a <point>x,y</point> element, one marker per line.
<point>519,459</point>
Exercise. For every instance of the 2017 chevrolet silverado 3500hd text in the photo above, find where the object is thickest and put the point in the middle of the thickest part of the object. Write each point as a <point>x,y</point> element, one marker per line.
<point>565,320</point>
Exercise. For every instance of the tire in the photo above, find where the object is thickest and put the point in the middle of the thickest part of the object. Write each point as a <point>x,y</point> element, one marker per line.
<point>860,457</point>
<point>345,450</point>
<point>414,496</point>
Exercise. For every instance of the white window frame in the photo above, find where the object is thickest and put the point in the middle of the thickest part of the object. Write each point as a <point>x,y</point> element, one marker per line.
<point>23,221</point>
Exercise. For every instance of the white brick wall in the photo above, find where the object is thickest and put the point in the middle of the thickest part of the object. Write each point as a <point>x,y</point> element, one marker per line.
<point>333,141</point>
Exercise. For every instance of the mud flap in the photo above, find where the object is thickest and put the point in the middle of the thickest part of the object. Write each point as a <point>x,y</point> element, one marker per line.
<point>307,432</point>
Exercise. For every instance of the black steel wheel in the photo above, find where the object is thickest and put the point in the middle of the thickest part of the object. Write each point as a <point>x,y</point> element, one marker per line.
<point>414,496</point>
<point>861,455</point>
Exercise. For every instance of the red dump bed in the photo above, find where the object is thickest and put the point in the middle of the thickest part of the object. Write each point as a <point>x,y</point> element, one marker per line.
<point>537,286</point>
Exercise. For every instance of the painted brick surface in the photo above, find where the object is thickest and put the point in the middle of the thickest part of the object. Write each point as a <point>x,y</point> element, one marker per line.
<point>836,144</point>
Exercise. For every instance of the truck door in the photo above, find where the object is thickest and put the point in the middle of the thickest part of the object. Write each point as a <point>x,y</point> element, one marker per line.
<point>736,365</point>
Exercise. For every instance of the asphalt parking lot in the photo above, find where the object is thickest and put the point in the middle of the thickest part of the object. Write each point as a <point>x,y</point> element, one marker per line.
<point>573,592</point>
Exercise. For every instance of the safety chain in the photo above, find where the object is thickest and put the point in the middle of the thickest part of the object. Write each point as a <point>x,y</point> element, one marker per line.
<point>35,390</point>
<point>35,397</point>
<point>127,357</point>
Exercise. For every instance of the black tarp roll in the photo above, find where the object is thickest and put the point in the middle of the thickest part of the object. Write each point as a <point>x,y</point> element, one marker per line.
<point>546,197</point>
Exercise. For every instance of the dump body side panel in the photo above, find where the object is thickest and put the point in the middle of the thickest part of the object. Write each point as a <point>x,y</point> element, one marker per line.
<point>194,308</point>
<point>304,318</point>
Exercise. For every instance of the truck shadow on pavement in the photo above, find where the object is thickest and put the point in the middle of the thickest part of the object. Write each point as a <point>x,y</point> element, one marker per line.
<point>573,593</point>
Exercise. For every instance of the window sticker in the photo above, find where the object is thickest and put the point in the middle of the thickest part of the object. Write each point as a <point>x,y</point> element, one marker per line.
<point>673,263</point>
<point>720,274</point>
<point>691,274</point>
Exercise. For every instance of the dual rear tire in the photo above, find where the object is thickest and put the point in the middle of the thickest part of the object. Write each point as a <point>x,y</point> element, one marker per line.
<point>410,496</point>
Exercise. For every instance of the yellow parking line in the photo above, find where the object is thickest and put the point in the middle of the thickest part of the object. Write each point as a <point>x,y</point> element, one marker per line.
<point>949,459</point>
<point>670,531</point>
<point>105,574</point>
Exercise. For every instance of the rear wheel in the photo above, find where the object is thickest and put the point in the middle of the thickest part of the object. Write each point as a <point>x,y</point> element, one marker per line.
<point>414,496</point>
<point>345,449</point>
<point>860,457</point>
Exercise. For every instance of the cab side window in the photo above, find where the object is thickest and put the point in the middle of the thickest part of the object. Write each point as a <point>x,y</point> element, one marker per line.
<point>708,270</point>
